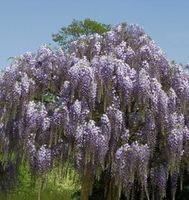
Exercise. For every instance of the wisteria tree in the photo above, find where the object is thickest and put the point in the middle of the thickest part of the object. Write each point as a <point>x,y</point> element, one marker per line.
<point>112,106</point>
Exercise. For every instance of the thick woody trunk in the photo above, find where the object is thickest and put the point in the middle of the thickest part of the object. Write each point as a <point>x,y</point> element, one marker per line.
<point>86,184</point>
<point>85,189</point>
<point>113,192</point>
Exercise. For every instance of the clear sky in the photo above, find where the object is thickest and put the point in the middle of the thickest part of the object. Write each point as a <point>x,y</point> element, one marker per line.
<point>26,24</point>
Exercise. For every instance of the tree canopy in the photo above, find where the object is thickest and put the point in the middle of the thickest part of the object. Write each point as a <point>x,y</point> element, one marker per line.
<point>78,28</point>
<point>112,106</point>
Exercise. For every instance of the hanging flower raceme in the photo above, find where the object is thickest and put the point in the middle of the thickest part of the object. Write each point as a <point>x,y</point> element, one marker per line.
<point>90,143</point>
<point>81,78</point>
<point>159,177</point>
<point>128,160</point>
<point>175,147</point>
<point>36,116</point>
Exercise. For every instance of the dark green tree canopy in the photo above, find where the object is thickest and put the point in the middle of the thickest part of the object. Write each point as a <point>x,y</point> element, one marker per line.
<point>76,29</point>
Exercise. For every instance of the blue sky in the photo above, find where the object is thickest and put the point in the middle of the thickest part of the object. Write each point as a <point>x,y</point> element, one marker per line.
<point>25,25</point>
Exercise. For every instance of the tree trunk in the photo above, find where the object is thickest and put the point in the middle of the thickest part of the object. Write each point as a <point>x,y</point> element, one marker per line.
<point>85,185</point>
<point>85,189</point>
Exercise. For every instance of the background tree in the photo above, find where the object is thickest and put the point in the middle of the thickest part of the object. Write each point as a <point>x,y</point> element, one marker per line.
<point>77,28</point>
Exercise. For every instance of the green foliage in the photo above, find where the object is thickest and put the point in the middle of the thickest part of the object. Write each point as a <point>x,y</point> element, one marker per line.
<point>51,187</point>
<point>78,28</point>
<point>173,62</point>
<point>50,97</point>
<point>24,179</point>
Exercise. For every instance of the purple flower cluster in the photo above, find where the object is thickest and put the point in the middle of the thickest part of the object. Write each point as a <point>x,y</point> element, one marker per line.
<point>131,160</point>
<point>39,160</point>
<point>36,116</point>
<point>159,177</point>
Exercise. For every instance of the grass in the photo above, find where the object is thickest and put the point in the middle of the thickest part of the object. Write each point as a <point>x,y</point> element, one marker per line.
<point>53,187</point>
<point>46,194</point>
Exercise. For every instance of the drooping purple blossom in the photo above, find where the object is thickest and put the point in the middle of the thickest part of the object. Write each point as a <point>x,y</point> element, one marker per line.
<point>36,116</point>
<point>130,159</point>
<point>159,177</point>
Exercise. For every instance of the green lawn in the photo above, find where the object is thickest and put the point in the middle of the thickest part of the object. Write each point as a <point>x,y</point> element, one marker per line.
<point>54,187</point>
